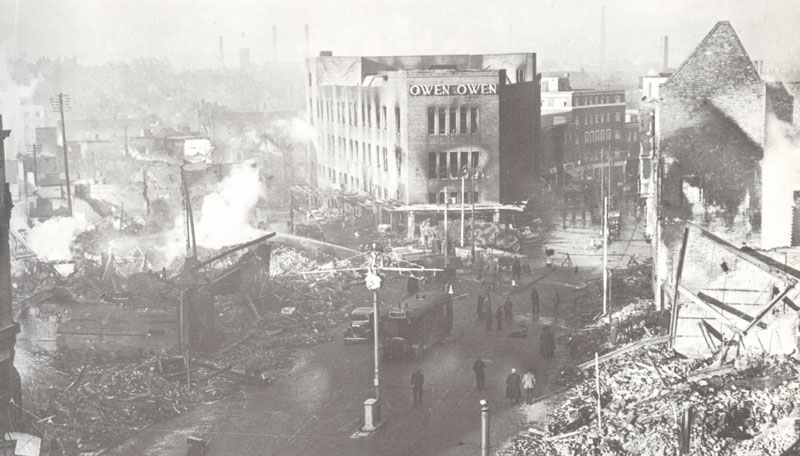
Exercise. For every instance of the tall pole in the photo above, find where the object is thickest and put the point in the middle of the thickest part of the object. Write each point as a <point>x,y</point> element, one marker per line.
<point>64,147</point>
<point>484,427</point>
<point>602,176</point>
<point>597,387</point>
<point>472,215</point>
<point>36,148</point>
<point>463,178</point>
<point>376,380</point>
<point>446,240</point>
<point>605,255</point>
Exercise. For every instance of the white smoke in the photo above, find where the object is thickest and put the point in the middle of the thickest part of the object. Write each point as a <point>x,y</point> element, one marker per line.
<point>51,239</point>
<point>780,179</point>
<point>224,216</point>
<point>13,96</point>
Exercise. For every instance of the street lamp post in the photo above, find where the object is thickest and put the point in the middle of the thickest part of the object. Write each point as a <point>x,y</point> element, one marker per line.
<point>373,282</point>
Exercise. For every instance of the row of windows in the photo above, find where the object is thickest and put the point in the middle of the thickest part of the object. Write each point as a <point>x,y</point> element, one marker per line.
<point>353,183</point>
<point>343,149</point>
<point>451,165</point>
<point>347,113</point>
<point>453,120</point>
<point>592,119</point>
<point>454,197</point>
<point>599,99</point>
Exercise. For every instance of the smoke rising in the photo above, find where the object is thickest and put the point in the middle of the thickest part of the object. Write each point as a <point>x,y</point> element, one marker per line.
<point>780,179</point>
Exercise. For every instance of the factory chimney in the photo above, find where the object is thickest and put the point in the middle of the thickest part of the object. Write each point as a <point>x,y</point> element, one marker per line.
<point>665,62</point>
<point>308,41</point>
<point>274,43</point>
<point>221,53</point>
<point>603,39</point>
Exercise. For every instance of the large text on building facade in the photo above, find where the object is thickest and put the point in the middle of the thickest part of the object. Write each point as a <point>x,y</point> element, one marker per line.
<point>418,90</point>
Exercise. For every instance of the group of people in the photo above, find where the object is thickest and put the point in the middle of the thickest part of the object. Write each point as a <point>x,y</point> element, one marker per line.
<point>504,312</point>
<point>516,385</point>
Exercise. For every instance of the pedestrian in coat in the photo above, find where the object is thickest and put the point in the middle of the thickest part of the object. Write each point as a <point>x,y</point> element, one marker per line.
<point>499,316</point>
<point>528,383</point>
<point>535,305</point>
<point>417,380</point>
<point>513,387</point>
<point>508,308</point>
<point>480,374</point>
<point>516,271</point>
<point>488,315</point>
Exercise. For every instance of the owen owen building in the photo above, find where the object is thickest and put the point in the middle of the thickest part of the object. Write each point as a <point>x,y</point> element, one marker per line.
<point>405,129</point>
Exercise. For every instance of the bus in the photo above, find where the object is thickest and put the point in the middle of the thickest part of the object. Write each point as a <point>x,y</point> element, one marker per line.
<point>420,321</point>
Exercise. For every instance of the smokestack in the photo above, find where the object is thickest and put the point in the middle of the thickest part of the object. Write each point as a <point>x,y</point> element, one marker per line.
<point>308,41</point>
<point>665,63</point>
<point>603,37</point>
<point>221,53</point>
<point>274,43</point>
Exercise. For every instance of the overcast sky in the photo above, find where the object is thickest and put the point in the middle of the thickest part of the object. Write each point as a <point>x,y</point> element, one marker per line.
<point>567,31</point>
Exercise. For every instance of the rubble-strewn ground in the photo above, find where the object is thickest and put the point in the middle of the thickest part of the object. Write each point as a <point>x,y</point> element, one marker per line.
<point>90,391</point>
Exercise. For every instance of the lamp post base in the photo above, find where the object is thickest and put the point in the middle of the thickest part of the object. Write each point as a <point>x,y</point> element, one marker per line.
<point>372,415</point>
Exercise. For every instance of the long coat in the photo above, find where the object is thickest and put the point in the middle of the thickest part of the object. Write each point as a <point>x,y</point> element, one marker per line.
<point>513,386</point>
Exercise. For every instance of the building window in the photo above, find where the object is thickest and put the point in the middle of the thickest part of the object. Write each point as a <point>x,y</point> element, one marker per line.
<point>397,119</point>
<point>520,74</point>
<point>453,164</point>
<point>462,118</point>
<point>452,126</point>
<point>377,158</point>
<point>617,134</point>
<point>442,165</point>
<point>385,160</point>
<point>363,113</point>
<point>617,117</point>
<point>464,164</point>
<point>474,120</point>
<point>577,119</point>
<point>432,165</point>
<point>384,117</point>
<point>369,116</point>
<point>440,198</point>
<point>586,137</point>
<point>442,119</point>
<point>398,159</point>
<point>475,161</point>
<point>431,198</point>
<point>431,121</point>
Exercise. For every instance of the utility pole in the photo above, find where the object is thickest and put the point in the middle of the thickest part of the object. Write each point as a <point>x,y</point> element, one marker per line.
<point>58,104</point>
<point>463,178</point>
<point>484,428</point>
<point>605,256</point>
<point>446,240</point>
<point>36,148</point>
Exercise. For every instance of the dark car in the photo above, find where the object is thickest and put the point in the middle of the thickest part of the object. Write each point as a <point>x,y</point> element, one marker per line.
<point>361,326</point>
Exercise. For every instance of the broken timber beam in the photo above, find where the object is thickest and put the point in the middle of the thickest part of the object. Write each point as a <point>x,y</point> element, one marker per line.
<point>703,303</point>
<point>732,310</point>
<point>234,250</point>
<point>768,308</point>
<point>749,255</point>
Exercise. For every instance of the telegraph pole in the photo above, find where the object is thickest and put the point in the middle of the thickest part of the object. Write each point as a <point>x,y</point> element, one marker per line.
<point>58,104</point>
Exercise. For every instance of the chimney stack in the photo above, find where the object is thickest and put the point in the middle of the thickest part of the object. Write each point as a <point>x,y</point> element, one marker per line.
<point>221,53</point>
<point>274,43</point>
<point>308,41</point>
<point>665,63</point>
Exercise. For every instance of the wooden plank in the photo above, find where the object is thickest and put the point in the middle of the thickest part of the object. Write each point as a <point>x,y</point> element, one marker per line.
<point>747,255</point>
<point>704,304</point>
<point>731,310</point>
<point>769,307</point>
<point>676,292</point>
<point>625,349</point>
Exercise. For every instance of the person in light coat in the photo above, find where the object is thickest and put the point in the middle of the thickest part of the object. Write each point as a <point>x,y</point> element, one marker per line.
<point>528,384</point>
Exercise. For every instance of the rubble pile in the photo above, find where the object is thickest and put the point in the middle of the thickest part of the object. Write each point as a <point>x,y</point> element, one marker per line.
<point>103,402</point>
<point>643,393</point>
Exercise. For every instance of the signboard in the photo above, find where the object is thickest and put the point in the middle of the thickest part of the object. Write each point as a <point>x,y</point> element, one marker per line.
<point>439,90</point>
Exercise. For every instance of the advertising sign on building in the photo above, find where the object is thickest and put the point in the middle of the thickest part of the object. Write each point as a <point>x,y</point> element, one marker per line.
<point>424,90</point>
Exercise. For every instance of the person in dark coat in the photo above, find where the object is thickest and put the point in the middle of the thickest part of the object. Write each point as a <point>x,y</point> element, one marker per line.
<point>417,380</point>
<point>499,316</point>
<point>508,308</point>
<point>547,343</point>
<point>514,387</point>
<point>480,374</point>
<point>516,270</point>
<point>535,305</point>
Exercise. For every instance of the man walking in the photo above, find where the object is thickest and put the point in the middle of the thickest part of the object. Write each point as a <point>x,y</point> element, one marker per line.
<point>528,383</point>
<point>480,374</point>
<point>480,310</point>
<point>513,387</point>
<point>535,305</point>
<point>516,272</point>
<point>508,308</point>
<point>499,316</point>
<point>417,380</point>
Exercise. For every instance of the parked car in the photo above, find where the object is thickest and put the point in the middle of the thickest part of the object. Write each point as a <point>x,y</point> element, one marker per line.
<point>361,326</point>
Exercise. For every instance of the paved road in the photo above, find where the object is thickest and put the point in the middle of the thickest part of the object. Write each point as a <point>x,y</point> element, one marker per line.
<point>318,406</point>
